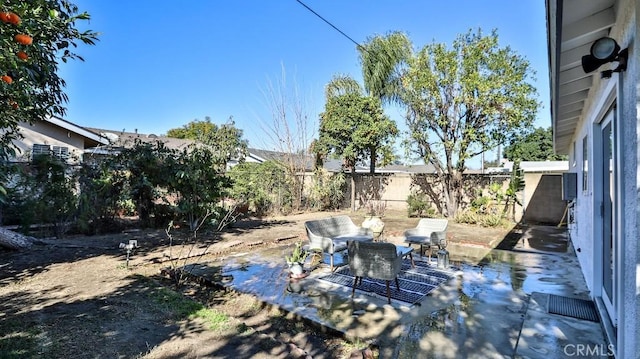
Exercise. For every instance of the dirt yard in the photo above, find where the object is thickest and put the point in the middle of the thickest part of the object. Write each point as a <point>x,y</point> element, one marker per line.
<point>77,298</point>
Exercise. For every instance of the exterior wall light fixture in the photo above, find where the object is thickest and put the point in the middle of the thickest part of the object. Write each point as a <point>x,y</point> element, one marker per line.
<point>605,50</point>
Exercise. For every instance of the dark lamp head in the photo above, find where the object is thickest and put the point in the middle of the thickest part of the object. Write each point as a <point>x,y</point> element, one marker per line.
<point>604,50</point>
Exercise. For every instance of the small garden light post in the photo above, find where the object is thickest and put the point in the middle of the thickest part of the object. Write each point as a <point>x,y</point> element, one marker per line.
<point>129,247</point>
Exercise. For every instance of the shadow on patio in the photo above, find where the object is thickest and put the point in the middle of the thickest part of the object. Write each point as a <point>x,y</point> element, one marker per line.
<point>494,307</point>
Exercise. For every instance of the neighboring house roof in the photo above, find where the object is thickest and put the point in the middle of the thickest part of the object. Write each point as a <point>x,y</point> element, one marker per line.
<point>119,140</point>
<point>122,139</point>
<point>259,155</point>
<point>265,155</point>
<point>335,165</point>
<point>428,168</point>
<point>91,139</point>
<point>540,166</point>
<point>498,170</point>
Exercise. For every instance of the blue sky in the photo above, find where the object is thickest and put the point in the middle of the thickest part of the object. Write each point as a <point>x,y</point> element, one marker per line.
<point>160,64</point>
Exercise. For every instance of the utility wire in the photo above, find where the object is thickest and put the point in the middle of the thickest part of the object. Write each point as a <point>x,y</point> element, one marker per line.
<point>332,25</point>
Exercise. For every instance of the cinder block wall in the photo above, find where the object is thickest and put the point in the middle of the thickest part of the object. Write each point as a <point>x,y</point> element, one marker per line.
<point>541,199</point>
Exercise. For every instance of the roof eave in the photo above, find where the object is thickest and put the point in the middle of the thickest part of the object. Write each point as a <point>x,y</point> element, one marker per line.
<point>554,43</point>
<point>100,140</point>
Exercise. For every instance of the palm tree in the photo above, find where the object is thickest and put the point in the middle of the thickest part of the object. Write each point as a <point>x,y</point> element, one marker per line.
<point>342,85</point>
<point>382,58</point>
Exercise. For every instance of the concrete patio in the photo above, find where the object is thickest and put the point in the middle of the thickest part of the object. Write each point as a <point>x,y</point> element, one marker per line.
<point>495,307</point>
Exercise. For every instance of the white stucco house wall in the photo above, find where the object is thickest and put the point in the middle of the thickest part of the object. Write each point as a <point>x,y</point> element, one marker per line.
<point>595,122</point>
<point>57,136</point>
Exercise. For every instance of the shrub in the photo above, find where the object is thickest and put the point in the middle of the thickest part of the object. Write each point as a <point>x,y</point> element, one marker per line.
<point>494,220</point>
<point>44,194</point>
<point>376,207</point>
<point>150,167</point>
<point>419,205</point>
<point>261,186</point>
<point>328,190</point>
<point>468,217</point>
<point>199,185</point>
<point>480,203</point>
<point>101,196</point>
<point>481,219</point>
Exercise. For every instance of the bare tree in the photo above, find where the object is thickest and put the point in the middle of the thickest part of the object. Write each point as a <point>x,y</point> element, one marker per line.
<point>289,130</point>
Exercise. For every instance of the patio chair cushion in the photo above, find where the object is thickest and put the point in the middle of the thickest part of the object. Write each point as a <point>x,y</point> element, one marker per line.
<point>429,231</point>
<point>379,260</point>
<point>331,234</point>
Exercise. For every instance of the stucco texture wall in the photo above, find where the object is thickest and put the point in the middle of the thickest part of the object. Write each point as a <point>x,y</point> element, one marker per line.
<point>541,198</point>
<point>44,133</point>
<point>627,33</point>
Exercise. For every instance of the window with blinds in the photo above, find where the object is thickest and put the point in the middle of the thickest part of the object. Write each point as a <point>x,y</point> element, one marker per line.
<point>61,152</point>
<point>40,150</point>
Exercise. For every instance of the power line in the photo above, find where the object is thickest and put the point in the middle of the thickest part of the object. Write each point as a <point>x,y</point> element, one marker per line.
<point>330,24</point>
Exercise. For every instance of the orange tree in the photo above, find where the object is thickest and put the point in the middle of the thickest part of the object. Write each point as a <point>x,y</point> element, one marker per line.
<point>35,35</point>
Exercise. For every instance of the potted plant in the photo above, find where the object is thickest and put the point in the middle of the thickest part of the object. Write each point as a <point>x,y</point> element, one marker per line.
<point>373,219</point>
<point>296,259</point>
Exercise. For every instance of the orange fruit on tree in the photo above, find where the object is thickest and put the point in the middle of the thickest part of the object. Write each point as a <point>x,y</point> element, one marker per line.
<point>7,79</point>
<point>10,17</point>
<point>22,55</point>
<point>24,39</point>
<point>13,18</point>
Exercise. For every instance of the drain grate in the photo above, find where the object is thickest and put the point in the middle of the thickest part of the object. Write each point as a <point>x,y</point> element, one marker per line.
<point>573,307</point>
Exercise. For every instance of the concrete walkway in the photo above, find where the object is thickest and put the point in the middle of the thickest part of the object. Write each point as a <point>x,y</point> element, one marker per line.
<point>496,307</point>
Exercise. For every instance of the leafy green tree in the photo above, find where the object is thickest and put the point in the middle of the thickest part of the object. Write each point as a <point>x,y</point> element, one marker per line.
<point>463,100</point>
<point>195,174</point>
<point>533,146</point>
<point>194,130</point>
<point>40,34</point>
<point>151,167</point>
<point>101,195</point>
<point>34,36</point>
<point>353,126</point>
<point>224,140</point>
<point>200,183</point>
<point>381,59</point>
<point>342,85</point>
<point>44,194</point>
<point>261,186</point>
